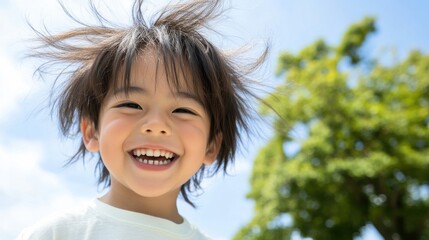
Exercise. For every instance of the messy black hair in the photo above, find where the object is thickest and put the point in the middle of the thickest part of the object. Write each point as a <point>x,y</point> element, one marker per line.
<point>101,56</point>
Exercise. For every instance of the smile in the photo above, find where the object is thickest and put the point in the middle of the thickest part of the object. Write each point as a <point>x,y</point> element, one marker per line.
<point>153,156</point>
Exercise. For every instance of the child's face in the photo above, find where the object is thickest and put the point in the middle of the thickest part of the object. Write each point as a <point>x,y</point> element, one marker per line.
<point>152,120</point>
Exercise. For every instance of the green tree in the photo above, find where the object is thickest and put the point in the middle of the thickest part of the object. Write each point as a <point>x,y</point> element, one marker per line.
<point>363,150</point>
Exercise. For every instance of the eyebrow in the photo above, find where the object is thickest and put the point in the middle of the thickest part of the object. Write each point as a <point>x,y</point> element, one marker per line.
<point>139,90</point>
<point>130,89</point>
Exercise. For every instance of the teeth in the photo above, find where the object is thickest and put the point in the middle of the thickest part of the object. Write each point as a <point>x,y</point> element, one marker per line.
<point>152,162</point>
<point>149,152</point>
<point>152,153</point>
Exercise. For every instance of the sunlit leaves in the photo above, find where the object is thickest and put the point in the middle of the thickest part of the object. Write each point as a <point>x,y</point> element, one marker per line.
<point>365,155</point>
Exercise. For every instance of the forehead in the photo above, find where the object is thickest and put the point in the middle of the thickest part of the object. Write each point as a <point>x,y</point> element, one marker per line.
<point>150,68</point>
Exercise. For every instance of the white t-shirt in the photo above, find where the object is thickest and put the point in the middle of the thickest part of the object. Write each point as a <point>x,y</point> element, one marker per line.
<point>101,221</point>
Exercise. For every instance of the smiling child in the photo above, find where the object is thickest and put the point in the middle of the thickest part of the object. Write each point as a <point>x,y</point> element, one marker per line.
<point>160,105</point>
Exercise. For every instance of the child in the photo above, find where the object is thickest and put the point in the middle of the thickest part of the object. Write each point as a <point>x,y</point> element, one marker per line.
<point>160,105</point>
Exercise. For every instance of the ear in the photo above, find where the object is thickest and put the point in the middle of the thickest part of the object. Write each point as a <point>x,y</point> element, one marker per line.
<point>89,135</point>
<point>213,149</point>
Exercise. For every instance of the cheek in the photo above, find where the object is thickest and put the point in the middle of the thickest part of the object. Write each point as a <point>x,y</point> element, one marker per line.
<point>112,136</point>
<point>113,128</point>
<point>196,136</point>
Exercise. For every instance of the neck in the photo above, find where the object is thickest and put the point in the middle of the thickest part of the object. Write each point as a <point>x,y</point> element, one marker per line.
<point>164,206</point>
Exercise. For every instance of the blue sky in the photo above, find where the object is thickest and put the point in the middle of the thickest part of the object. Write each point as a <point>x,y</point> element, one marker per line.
<point>33,182</point>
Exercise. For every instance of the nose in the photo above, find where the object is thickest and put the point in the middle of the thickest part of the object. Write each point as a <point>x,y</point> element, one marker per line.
<point>149,130</point>
<point>155,123</point>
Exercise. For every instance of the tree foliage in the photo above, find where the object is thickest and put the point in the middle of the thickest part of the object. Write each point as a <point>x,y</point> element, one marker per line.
<point>362,131</point>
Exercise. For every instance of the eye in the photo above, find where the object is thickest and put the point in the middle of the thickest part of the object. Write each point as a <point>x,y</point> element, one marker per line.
<point>184,110</point>
<point>129,105</point>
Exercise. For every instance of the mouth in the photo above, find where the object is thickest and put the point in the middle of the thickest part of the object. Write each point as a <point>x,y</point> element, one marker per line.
<point>155,157</point>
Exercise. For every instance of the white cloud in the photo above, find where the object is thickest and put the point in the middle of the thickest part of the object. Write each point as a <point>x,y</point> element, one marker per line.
<point>12,86</point>
<point>28,192</point>
<point>241,166</point>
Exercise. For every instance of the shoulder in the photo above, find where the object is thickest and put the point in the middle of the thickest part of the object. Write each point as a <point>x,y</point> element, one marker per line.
<point>197,234</point>
<point>57,226</point>
<point>97,220</point>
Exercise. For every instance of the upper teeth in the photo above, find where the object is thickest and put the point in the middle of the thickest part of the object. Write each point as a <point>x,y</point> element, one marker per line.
<point>153,153</point>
